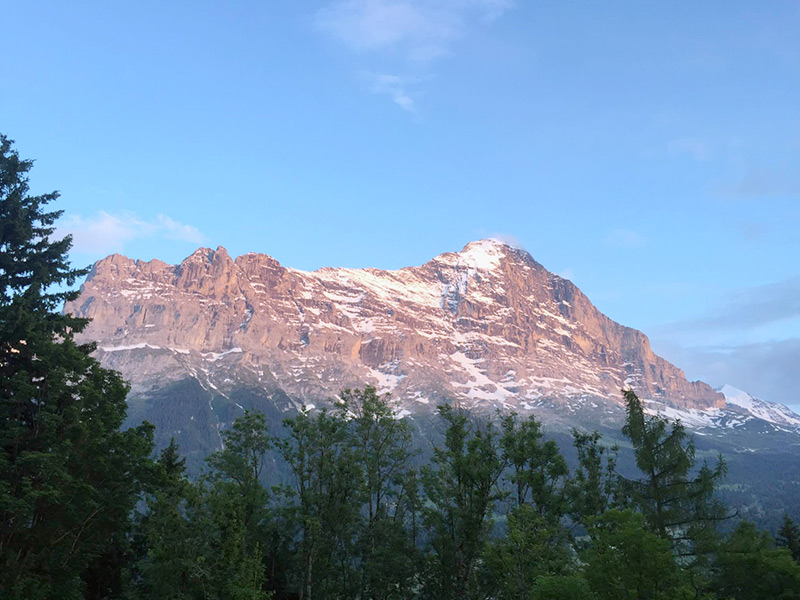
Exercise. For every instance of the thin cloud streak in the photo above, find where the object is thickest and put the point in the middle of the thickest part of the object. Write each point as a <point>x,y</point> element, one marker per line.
<point>696,149</point>
<point>750,308</point>
<point>393,86</point>
<point>105,232</point>
<point>421,30</point>
<point>625,238</point>
<point>765,183</point>
<point>413,33</point>
<point>767,370</point>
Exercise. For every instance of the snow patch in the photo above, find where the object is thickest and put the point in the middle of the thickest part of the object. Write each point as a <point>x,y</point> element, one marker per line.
<point>131,347</point>
<point>215,356</point>
<point>483,254</point>
<point>771,412</point>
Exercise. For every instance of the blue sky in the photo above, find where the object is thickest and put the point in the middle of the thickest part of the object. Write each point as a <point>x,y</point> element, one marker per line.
<point>648,151</point>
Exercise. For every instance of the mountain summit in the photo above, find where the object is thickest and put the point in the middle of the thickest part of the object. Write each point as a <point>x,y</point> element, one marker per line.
<point>486,327</point>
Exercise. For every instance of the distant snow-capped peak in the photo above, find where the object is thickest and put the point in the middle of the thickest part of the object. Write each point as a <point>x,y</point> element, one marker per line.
<point>768,411</point>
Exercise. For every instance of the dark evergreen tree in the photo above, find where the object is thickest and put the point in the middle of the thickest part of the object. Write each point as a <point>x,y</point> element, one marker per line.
<point>677,502</point>
<point>201,540</point>
<point>789,537</point>
<point>170,556</point>
<point>68,477</point>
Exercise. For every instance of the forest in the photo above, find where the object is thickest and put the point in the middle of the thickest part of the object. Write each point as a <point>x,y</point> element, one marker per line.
<point>89,510</point>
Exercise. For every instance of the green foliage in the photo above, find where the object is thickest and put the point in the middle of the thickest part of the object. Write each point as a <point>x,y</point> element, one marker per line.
<point>461,489</point>
<point>526,559</point>
<point>200,539</point>
<point>593,487</point>
<point>327,488</point>
<point>385,542</point>
<point>68,477</point>
<point>561,587</point>
<point>237,468</point>
<point>677,505</point>
<point>538,470</point>
<point>749,567</point>
<point>536,544</point>
<point>789,537</point>
<point>170,555</point>
<point>627,562</point>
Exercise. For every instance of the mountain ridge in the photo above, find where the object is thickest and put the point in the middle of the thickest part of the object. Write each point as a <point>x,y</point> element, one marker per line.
<point>485,327</point>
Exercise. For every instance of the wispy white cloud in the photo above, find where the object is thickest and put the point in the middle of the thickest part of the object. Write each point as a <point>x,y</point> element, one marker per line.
<point>765,183</point>
<point>106,232</point>
<point>421,30</point>
<point>750,308</point>
<point>508,238</point>
<point>395,87</point>
<point>696,149</point>
<point>765,369</point>
<point>625,238</point>
<point>414,33</point>
<point>567,273</point>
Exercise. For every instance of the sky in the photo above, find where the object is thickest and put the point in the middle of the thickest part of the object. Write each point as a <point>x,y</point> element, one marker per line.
<point>647,151</point>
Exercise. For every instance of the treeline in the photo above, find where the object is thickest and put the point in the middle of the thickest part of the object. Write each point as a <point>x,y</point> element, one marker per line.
<point>495,513</point>
<point>86,511</point>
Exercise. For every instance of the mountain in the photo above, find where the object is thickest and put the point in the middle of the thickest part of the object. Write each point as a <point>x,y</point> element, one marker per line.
<point>780,416</point>
<point>487,327</point>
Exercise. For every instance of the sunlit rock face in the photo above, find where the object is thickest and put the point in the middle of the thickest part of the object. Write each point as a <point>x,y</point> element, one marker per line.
<point>487,327</point>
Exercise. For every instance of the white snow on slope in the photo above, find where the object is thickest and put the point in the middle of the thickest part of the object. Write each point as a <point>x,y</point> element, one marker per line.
<point>483,254</point>
<point>693,418</point>
<point>141,346</point>
<point>768,411</point>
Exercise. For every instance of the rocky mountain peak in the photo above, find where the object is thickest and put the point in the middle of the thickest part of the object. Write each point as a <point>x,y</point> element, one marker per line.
<point>487,327</point>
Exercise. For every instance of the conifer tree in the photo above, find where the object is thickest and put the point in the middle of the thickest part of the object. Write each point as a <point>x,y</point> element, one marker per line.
<point>678,503</point>
<point>68,477</point>
<point>789,537</point>
<point>170,555</point>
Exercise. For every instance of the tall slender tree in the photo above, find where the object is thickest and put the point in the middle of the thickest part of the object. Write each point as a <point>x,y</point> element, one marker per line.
<point>68,477</point>
<point>789,537</point>
<point>538,471</point>
<point>382,448</point>
<point>326,493</point>
<point>677,500</point>
<point>462,491</point>
<point>593,487</point>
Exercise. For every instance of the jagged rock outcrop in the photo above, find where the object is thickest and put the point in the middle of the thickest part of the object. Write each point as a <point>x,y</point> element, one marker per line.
<point>486,327</point>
